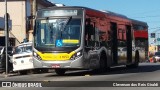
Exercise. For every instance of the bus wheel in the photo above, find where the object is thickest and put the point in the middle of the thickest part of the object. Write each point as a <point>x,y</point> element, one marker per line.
<point>60,71</point>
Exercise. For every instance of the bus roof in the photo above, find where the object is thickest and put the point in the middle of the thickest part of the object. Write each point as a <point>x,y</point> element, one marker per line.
<point>115,14</point>
<point>139,22</point>
<point>102,11</point>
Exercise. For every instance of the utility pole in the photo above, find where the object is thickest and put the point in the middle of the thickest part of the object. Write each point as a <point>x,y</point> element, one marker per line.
<point>158,38</point>
<point>6,36</point>
<point>34,6</point>
<point>34,9</point>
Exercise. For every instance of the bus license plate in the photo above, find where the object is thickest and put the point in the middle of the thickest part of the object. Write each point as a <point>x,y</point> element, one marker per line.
<point>55,65</point>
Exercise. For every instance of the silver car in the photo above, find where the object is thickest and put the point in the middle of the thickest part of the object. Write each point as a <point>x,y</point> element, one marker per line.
<point>156,57</point>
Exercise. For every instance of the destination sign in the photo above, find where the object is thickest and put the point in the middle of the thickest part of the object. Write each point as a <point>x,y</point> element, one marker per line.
<point>49,13</point>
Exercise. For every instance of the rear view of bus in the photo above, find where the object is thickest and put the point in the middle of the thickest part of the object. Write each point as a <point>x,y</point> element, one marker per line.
<point>57,39</point>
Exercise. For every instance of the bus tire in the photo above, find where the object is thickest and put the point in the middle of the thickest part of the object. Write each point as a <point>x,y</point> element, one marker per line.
<point>60,71</point>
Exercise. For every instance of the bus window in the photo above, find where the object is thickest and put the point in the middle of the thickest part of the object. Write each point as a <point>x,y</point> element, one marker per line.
<point>89,33</point>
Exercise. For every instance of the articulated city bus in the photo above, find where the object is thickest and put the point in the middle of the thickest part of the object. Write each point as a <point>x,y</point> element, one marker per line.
<point>82,38</point>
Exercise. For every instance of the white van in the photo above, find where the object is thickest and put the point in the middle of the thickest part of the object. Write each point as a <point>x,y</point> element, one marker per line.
<point>22,58</point>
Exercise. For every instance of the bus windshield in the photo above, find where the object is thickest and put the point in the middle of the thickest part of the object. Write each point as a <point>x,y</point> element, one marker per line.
<point>57,32</point>
<point>23,49</point>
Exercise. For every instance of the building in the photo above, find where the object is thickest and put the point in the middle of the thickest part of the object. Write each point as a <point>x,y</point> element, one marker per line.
<point>2,33</point>
<point>19,11</point>
<point>1,23</point>
<point>154,48</point>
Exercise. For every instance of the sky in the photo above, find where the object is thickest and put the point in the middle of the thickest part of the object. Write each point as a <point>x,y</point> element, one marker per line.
<point>143,10</point>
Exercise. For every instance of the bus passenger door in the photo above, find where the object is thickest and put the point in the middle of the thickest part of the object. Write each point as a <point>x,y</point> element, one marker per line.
<point>114,47</point>
<point>90,44</point>
<point>129,44</point>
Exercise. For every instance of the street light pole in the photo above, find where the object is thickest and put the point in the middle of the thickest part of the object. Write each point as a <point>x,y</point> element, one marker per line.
<point>6,36</point>
<point>158,38</point>
<point>34,10</point>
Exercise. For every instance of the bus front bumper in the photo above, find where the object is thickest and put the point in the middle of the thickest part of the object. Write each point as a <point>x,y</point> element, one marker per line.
<point>69,64</point>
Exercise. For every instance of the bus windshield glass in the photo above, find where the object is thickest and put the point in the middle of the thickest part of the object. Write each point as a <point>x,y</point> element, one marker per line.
<point>58,32</point>
<point>23,49</point>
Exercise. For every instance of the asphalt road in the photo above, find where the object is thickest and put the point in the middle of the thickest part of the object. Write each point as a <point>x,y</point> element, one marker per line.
<point>88,80</point>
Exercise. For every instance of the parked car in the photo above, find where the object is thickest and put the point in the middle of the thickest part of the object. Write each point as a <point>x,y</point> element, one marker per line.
<point>22,59</point>
<point>156,57</point>
<point>3,58</point>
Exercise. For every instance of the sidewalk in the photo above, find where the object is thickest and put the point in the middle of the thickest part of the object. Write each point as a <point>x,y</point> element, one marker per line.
<point>3,75</point>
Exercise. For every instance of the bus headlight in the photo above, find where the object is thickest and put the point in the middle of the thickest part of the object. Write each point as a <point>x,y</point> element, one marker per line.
<point>76,55</point>
<point>36,56</point>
